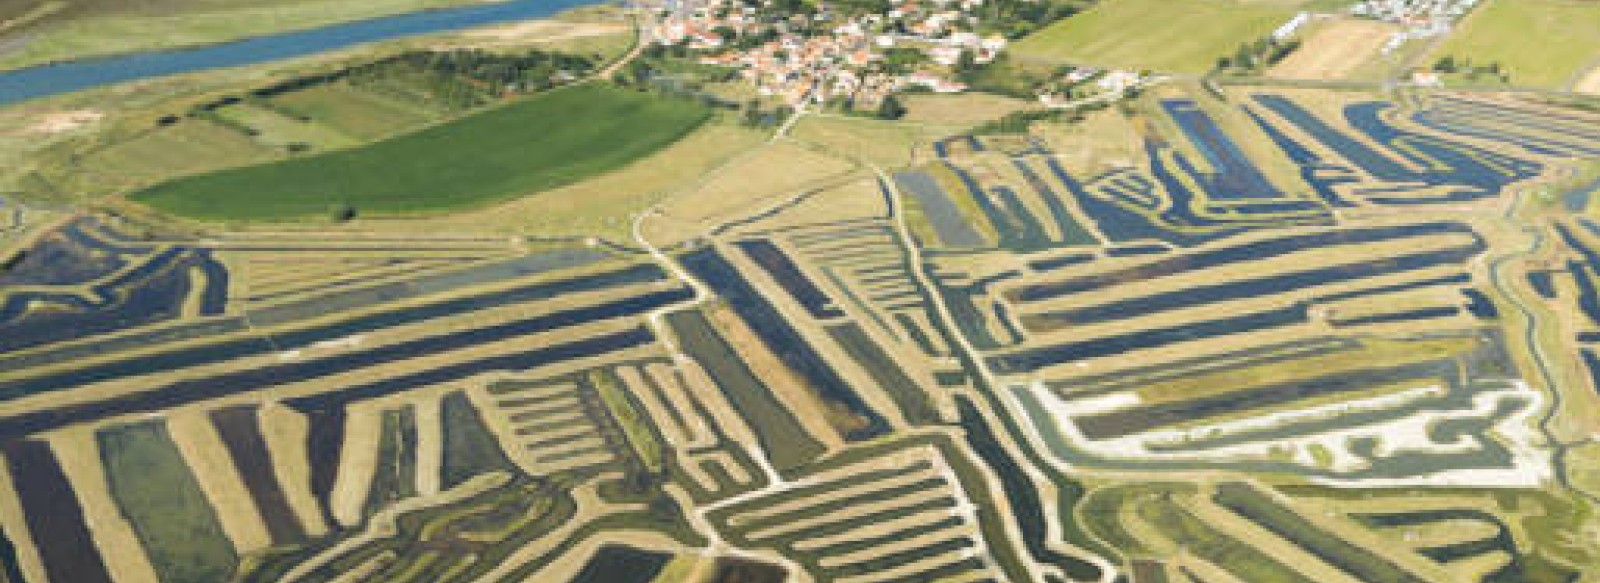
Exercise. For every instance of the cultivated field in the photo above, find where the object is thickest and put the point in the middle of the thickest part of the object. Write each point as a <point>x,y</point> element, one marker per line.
<point>1336,50</point>
<point>1183,36</point>
<point>756,180</point>
<point>602,205</point>
<point>959,111</point>
<point>1539,43</point>
<point>556,139</point>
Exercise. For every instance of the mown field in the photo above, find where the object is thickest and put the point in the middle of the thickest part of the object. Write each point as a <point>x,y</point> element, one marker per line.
<point>1340,49</point>
<point>1183,36</point>
<point>1540,43</point>
<point>537,144</point>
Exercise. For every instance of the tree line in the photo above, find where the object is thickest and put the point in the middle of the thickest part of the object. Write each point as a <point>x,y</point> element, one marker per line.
<point>454,79</point>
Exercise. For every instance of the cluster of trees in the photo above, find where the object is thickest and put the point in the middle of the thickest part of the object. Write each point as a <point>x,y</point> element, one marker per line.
<point>467,78</point>
<point>755,116</point>
<point>902,60</point>
<point>677,79</point>
<point>1579,102</point>
<point>459,79</point>
<point>888,108</point>
<point>1019,122</point>
<point>891,108</point>
<point>1015,19</point>
<point>1449,65</point>
<point>1253,57</point>
<point>745,42</point>
<point>1004,76</point>
<point>659,51</point>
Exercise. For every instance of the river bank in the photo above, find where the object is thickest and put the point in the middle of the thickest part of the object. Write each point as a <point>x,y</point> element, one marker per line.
<point>49,145</point>
<point>45,80</point>
<point>57,31</point>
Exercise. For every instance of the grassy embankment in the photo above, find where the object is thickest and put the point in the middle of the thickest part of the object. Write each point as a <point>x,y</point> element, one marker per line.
<point>635,426</point>
<point>544,142</point>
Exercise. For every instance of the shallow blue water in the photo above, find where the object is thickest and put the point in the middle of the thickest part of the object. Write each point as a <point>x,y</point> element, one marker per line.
<point>34,82</point>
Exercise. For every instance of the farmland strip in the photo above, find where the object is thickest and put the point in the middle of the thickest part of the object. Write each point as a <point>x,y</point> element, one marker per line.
<point>240,431</point>
<point>56,520</point>
<point>255,344</point>
<point>1139,419</point>
<point>1254,505</point>
<point>1251,251</point>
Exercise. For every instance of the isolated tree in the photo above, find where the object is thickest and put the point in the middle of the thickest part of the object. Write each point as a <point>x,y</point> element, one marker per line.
<point>966,62</point>
<point>1243,58</point>
<point>342,213</point>
<point>752,113</point>
<point>891,108</point>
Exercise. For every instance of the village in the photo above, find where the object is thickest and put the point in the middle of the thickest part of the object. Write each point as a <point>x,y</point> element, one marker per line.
<point>853,57</point>
<point>1421,18</point>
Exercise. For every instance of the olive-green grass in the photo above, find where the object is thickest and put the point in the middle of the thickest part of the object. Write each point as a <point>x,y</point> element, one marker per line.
<point>1538,43</point>
<point>1183,36</point>
<point>546,141</point>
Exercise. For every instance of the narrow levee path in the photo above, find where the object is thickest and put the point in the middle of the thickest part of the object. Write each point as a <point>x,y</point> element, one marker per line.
<point>656,319</point>
<point>1501,279</point>
<point>944,319</point>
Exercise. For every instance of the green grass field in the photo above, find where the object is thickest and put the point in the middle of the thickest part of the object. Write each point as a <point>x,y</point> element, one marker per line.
<point>1541,43</point>
<point>362,114</point>
<point>1183,36</point>
<point>159,495</point>
<point>188,147</point>
<point>540,143</point>
<point>276,129</point>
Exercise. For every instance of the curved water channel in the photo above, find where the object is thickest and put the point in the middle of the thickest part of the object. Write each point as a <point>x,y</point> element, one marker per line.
<point>1541,360</point>
<point>54,79</point>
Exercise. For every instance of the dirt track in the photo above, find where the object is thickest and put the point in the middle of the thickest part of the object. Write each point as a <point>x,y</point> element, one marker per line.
<point>1589,82</point>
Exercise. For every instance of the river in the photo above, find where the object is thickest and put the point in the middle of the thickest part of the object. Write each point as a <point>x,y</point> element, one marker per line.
<point>54,79</point>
